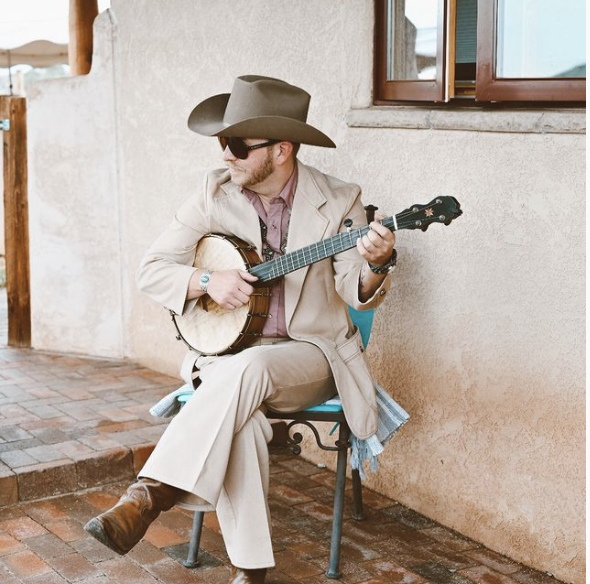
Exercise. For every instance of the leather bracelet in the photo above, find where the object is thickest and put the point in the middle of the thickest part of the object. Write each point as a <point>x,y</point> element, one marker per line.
<point>387,267</point>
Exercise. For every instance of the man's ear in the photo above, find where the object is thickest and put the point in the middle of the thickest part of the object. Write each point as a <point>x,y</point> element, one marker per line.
<point>284,151</point>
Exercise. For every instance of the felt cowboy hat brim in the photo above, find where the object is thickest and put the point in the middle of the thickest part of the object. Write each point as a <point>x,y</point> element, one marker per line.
<point>258,107</point>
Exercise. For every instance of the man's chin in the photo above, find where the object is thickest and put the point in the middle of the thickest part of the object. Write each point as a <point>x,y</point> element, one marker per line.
<point>238,176</point>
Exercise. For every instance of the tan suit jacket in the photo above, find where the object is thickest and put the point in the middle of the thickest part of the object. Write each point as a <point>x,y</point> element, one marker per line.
<point>316,297</point>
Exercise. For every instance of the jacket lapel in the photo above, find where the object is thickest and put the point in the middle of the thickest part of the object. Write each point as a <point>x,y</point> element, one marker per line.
<point>307,226</point>
<point>238,215</point>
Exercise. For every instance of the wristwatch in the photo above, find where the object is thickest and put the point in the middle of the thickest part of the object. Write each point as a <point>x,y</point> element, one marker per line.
<point>204,280</point>
<point>386,268</point>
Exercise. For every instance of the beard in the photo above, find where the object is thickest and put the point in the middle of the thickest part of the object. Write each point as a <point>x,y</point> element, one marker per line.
<point>249,178</point>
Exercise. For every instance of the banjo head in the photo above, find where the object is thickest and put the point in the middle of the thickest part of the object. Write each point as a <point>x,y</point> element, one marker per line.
<point>207,327</point>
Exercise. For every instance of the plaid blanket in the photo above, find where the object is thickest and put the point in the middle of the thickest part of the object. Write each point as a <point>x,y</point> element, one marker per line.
<point>391,418</point>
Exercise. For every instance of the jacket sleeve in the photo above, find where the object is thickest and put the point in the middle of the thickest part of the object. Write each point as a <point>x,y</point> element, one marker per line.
<point>348,264</point>
<point>167,267</point>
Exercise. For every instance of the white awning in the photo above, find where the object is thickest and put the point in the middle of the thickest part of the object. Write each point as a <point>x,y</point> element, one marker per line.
<point>36,54</point>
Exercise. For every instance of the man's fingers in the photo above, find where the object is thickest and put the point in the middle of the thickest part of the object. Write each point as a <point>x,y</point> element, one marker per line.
<point>248,276</point>
<point>367,243</point>
<point>246,289</point>
<point>241,297</point>
<point>361,246</point>
<point>380,229</point>
<point>387,237</point>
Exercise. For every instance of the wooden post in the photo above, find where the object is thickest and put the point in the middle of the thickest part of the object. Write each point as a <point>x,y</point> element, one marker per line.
<point>16,221</point>
<point>82,15</point>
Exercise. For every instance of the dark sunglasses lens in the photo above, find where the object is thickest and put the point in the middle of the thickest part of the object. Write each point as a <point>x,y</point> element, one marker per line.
<point>236,146</point>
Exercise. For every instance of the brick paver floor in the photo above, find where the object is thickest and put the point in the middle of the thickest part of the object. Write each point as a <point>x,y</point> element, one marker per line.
<point>43,541</point>
<point>73,433</point>
<point>68,423</point>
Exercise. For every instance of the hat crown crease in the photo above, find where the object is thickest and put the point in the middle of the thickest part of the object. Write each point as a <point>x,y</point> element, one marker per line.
<point>266,98</point>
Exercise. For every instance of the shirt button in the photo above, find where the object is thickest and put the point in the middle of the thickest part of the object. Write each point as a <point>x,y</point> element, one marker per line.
<point>273,226</point>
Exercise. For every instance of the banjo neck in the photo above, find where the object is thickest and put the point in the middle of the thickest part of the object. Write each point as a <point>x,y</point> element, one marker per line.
<point>439,210</point>
<point>315,252</point>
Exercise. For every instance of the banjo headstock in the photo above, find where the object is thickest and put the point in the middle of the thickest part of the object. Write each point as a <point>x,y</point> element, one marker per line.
<point>439,210</point>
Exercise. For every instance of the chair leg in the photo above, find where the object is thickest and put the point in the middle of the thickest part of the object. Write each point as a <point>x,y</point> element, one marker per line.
<point>357,496</point>
<point>192,560</point>
<point>334,567</point>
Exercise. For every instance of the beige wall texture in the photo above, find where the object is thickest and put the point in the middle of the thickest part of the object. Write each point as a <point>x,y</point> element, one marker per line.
<point>76,270</point>
<point>482,340</point>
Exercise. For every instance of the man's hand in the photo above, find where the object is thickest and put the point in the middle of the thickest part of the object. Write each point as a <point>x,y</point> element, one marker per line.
<point>377,245</point>
<point>231,288</point>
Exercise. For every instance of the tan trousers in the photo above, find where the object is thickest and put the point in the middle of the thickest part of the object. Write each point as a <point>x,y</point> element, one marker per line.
<point>216,447</point>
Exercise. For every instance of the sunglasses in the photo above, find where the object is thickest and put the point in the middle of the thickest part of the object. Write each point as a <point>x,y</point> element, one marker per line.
<point>239,148</point>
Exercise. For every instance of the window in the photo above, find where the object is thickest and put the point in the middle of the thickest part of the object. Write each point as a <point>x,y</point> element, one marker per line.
<point>481,50</point>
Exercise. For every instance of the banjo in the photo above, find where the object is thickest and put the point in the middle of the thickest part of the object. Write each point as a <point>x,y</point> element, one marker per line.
<point>211,330</point>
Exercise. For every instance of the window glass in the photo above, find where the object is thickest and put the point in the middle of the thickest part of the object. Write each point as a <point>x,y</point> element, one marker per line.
<point>412,39</point>
<point>541,38</point>
<point>466,32</point>
<point>466,41</point>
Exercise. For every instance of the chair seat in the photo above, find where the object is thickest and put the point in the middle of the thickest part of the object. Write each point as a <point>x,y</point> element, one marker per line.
<point>329,406</point>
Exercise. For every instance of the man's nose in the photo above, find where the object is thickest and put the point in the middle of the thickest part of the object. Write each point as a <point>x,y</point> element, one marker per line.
<point>228,154</point>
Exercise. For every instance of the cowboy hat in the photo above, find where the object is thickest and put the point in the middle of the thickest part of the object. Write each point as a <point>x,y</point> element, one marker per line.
<point>258,107</point>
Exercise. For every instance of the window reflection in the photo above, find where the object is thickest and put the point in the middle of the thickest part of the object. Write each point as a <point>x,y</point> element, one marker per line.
<point>541,38</point>
<point>412,39</point>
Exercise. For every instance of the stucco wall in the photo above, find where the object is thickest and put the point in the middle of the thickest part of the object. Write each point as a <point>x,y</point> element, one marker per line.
<point>482,340</point>
<point>76,271</point>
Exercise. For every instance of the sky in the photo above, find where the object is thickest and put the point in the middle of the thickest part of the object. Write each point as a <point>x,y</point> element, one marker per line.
<point>23,21</point>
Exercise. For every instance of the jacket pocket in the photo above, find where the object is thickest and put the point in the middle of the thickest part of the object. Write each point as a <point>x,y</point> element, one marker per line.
<point>351,353</point>
<point>351,347</point>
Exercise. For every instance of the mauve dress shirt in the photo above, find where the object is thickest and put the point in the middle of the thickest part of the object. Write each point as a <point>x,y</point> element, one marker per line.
<point>277,225</point>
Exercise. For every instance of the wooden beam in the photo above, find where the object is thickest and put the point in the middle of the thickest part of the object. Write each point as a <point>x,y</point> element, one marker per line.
<point>16,221</point>
<point>82,15</point>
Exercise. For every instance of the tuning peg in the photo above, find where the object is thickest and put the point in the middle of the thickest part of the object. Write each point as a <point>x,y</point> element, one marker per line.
<point>370,212</point>
<point>425,227</point>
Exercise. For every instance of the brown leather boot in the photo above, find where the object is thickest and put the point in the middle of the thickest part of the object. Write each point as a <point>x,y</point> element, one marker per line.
<point>121,527</point>
<point>244,576</point>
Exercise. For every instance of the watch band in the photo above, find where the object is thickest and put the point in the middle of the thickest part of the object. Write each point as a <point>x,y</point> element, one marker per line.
<point>204,279</point>
<point>387,267</point>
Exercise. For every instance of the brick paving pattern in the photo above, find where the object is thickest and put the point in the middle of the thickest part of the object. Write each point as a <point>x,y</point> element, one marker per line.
<point>74,432</point>
<point>43,541</point>
<point>68,423</point>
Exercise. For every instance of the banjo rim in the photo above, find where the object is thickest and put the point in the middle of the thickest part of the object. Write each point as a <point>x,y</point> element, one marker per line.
<point>258,303</point>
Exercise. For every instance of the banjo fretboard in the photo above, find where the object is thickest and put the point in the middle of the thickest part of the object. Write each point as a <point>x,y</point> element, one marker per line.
<point>315,252</point>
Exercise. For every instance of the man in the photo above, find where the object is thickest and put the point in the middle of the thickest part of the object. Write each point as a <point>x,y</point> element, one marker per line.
<point>215,449</point>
